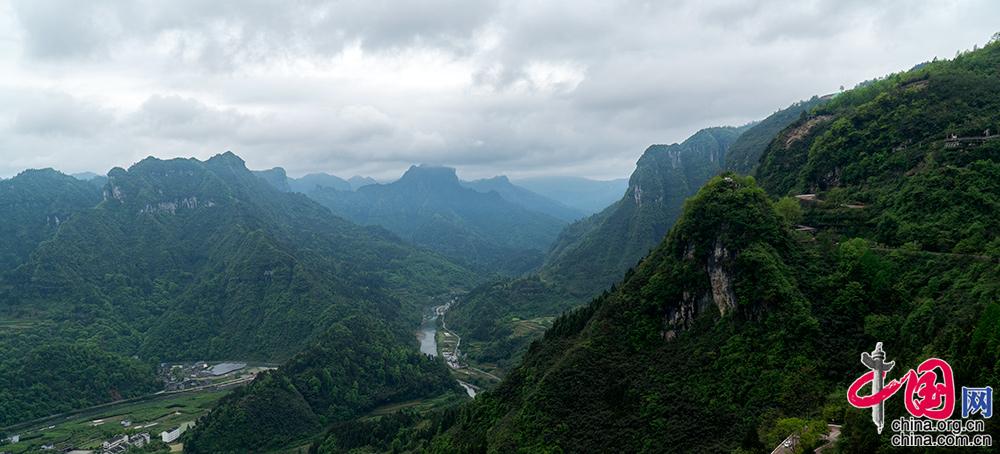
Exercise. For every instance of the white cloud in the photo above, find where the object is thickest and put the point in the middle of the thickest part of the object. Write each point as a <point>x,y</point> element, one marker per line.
<point>517,87</point>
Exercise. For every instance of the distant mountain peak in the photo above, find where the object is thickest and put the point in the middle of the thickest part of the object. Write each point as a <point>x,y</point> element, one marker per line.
<point>315,181</point>
<point>276,177</point>
<point>278,170</point>
<point>432,174</point>
<point>46,172</point>
<point>230,158</point>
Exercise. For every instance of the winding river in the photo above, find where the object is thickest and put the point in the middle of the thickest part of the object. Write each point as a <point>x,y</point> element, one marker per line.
<point>427,335</point>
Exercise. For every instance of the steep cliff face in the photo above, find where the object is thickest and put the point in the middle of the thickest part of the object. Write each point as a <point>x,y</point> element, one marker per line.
<point>729,216</point>
<point>594,252</point>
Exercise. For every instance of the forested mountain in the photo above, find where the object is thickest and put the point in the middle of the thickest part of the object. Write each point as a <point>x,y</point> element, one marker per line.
<point>525,198</point>
<point>731,329</point>
<point>33,205</point>
<point>882,146</point>
<point>746,151</point>
<point>738,325</point>
<point>740,328</point>
<point>643,359</point>
<point>588,196</point>
<point>430,207</point>
<point>187,260</point>
<point>594,252</point>
<point>355,366</point>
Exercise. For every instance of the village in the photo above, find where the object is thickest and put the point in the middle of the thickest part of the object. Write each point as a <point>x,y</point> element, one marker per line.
<point>118,444</point>
<point>202,374</point>
<point>189,390</point>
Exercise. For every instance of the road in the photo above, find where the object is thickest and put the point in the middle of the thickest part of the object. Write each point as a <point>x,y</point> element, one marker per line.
<point>788,445</point>
<point>451,352</point>
<point>830,438</point>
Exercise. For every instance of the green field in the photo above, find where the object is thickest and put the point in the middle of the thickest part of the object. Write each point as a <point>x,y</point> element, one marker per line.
<point>531,327</point>
<point>89,429</point>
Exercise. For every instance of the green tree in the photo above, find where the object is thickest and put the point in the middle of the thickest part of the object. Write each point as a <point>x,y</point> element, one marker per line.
<point>790,209</point>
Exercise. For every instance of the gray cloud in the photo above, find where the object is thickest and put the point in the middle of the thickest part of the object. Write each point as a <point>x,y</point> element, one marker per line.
<point>518,87</point>
<point>58,114</point>
<point>223,33</point>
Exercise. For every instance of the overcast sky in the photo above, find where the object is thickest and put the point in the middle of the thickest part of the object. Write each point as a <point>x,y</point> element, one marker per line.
<point>369,87</point>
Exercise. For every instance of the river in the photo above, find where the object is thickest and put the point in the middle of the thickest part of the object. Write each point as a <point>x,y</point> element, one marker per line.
<point>427,335</point>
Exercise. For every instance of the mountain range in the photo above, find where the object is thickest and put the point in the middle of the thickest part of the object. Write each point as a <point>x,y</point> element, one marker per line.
<point>430,206</point>
<point>278,178</point>
<point>182,260</point>
<point>525,198</point>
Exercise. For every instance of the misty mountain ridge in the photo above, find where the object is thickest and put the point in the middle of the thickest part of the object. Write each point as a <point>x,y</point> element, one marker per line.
<point>278,178</point>
<point>525,198</point>
<point>584,194</point>
<point>429,206</point>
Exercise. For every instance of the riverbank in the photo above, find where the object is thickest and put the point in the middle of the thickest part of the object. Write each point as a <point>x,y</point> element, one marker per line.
<point>436,339</point>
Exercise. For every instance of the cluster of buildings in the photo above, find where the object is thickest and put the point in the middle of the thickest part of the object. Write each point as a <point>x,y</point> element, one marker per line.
<point>123,442</point>
<point>192,375</point>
